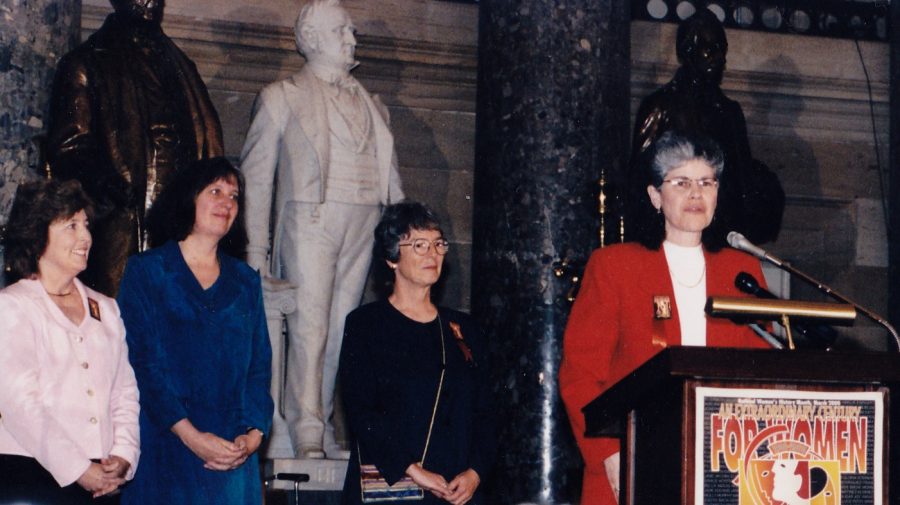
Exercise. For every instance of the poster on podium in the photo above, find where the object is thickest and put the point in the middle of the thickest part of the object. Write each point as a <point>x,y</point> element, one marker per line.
<point>784,447</point>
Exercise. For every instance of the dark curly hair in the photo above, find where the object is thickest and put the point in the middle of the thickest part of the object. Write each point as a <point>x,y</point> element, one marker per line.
<point>397,221</point>
<point>671,150</point>
<point>38,204</point>
<point>174,213</point>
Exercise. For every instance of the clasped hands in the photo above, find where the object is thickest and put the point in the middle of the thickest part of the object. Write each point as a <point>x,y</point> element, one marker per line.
<point>216,452</point>
<point>104,477</point>
<point>458,491</point>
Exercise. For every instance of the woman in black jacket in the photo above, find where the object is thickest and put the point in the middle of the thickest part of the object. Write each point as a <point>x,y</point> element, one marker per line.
<point>414,378</point>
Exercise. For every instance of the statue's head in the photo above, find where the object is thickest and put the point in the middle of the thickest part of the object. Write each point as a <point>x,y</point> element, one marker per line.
<point>144,11</point>
<point>701,46</point>
<point>325,34</point>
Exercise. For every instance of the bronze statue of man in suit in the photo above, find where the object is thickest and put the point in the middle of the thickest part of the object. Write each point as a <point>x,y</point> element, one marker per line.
<point>128,110</point>
<point>751,199</point>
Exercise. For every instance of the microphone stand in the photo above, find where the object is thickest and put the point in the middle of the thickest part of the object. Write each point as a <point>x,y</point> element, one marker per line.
<point>768,337</point>
<point>784,265</point>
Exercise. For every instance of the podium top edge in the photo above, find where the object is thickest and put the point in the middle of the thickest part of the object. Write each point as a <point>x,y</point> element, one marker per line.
<point>675,365</point>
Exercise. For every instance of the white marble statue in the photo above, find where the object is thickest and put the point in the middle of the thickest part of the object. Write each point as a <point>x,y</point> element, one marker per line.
<point>320,145</point>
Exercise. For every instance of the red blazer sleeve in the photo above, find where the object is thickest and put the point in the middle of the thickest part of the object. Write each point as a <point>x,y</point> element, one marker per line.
<point>588,346</point>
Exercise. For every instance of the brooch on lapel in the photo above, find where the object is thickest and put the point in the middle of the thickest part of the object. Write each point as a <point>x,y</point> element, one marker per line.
<point>662,307</point>
<point>94,308</point>
<point>457,334</point>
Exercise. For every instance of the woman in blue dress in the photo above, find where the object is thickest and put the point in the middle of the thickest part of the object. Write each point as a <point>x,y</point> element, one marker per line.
<point>198,343</point>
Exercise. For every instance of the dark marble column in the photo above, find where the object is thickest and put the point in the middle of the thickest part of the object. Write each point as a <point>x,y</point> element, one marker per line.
<point>553,95</point>
<point>33,35</point>
<point>894,161</point>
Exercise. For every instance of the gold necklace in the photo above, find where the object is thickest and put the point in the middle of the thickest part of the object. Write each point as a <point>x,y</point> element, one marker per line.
<point>691,285</point>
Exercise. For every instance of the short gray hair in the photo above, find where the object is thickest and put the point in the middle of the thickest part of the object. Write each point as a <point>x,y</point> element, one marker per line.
<point>305,21</point>
<point>673,149</point>
<point>397,222</point>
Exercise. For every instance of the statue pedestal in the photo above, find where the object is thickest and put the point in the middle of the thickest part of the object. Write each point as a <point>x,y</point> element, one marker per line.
<point>279,300</point>
<point>324,474</point>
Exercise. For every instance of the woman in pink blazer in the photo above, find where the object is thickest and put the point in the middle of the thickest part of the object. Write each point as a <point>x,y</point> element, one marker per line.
<point>639,298</point>
<point>68,397</point>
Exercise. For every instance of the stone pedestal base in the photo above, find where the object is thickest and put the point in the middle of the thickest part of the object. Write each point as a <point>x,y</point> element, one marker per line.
<point>324,474</point>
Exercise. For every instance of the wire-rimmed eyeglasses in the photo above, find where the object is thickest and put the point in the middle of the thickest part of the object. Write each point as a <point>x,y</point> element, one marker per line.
<point>421,246</point>
<point>684,184</point>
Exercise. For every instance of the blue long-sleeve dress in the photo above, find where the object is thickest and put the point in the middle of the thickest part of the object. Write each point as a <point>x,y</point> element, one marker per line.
<point>198,354</point>
<point>390,368</point>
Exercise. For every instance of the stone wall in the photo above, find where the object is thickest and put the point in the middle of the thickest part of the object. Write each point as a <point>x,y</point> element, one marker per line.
<point>33,35</point>
<point>805,99</point>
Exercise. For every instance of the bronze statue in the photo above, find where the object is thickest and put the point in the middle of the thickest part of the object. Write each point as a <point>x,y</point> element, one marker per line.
<point>128,110</point>
<point>751,199</point>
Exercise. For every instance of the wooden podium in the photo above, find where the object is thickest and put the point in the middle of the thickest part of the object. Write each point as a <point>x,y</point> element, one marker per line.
<point>654,412</point>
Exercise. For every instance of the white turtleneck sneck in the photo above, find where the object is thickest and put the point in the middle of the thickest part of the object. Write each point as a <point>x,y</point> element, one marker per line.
<point>687,268</point>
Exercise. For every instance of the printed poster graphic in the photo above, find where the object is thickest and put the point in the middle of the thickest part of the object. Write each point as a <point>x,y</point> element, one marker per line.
<point>773,447</point>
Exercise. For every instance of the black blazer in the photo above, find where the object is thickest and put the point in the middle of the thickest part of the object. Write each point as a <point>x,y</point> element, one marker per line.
<point>389,371</point>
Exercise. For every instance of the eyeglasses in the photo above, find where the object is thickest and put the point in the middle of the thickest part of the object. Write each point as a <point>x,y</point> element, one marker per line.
<point>421,246</point>
<point>684,184</point>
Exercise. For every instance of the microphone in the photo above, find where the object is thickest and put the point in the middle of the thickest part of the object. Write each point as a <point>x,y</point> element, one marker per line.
<point>821,335</point>
<point>748,284</point>
<point>740,242</point>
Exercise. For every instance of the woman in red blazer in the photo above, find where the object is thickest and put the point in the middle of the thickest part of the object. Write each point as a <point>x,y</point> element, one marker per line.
<point>637,299</point>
